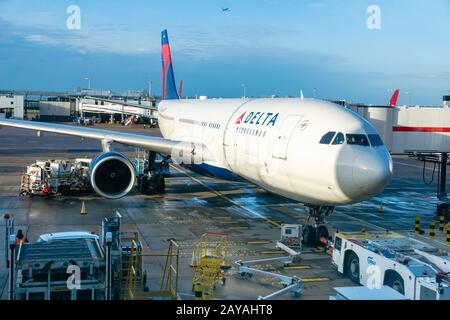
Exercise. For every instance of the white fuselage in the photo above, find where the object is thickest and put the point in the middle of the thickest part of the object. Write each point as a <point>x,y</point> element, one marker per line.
<point>275,144</point>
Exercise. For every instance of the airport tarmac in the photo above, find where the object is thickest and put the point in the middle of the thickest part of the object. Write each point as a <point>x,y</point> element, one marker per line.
<point>194,204</point>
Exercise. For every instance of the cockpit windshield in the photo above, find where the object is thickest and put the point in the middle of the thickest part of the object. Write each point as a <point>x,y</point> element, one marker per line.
<point>375,140</point>
<point>327,138</point>
<point>339,138</point>
<point>358,139</point>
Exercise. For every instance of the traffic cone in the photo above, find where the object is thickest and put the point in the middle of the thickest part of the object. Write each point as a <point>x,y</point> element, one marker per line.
<point>83,211</point>
<point>193,263</point>
<point>381,208</point>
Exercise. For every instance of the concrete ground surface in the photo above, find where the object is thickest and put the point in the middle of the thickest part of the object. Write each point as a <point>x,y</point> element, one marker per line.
<point>194,204</point>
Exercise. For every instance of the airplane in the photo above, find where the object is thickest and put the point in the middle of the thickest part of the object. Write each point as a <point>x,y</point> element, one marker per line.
<point>226,9</point>
<point>310,151</point>
<point>394,99</point>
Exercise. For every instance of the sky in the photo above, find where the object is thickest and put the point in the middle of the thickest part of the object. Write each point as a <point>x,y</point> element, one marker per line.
<point>274,47</point>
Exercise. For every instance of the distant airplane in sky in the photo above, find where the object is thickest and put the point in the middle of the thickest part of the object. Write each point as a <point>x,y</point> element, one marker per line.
<point>226,9</point>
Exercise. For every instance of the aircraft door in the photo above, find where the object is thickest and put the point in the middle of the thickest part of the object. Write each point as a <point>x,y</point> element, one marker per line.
<point>282,138</point>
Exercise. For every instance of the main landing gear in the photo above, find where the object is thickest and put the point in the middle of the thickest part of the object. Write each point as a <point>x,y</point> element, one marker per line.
<point>315,232</point>
<point>151,179</point>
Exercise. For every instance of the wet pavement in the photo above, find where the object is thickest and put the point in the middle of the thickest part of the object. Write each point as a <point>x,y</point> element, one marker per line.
<point>194,204</point>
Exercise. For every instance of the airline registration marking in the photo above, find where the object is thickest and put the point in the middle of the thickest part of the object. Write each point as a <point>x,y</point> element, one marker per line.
<point>262,118</point>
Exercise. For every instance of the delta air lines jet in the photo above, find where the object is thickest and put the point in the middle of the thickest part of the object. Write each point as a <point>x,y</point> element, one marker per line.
<point>311,151</point>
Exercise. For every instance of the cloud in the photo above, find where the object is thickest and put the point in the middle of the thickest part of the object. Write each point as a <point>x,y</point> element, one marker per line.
<point>41,39</point>
<point>316,5</point>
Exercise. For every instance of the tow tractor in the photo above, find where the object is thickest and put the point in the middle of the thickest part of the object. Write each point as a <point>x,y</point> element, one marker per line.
<point>415,269</point>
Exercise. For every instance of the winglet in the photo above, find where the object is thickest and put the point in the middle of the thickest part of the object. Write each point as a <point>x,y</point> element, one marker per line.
<point>169,89</point>
<point>393,101</point>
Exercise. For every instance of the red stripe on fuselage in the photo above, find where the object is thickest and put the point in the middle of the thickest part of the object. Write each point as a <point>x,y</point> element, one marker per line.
<point>420,129</point>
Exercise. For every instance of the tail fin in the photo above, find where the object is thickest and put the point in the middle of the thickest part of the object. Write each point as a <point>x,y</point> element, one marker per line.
<point>394,98</point>
<point>169,89</point>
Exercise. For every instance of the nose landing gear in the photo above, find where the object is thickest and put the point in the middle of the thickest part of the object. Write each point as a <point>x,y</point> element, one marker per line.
<point>316,233</point>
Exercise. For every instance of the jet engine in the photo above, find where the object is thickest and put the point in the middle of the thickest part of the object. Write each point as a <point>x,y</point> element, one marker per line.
<point>111,175</point>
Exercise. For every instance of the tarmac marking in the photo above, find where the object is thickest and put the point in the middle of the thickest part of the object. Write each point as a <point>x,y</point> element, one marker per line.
<point>259,242</point>
<point>238,228</point>
<point>297,267</point>
<point>306,280</point>
<point>274,223</point>
<point>271,252</point>
<point>254,213</point>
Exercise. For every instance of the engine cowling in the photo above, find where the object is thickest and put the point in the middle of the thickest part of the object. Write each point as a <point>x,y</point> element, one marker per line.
<point>111,175</point>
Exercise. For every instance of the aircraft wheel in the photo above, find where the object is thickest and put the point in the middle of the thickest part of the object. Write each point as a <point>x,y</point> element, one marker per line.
<point>143,185</point>
<point>352,267</point>
<point>395,281</point>
<point>322,232</point>
<point>309,235</point>
<point>160,184</point>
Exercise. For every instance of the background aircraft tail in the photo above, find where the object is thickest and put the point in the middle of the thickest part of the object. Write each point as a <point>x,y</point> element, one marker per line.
<point>169,89</point>
<point>394,98</point>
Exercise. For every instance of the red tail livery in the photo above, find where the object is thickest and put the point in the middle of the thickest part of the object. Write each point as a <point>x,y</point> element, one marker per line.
<point>394,98</point>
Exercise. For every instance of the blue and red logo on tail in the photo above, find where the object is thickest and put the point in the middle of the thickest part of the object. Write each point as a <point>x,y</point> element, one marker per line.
<point>169,89</point>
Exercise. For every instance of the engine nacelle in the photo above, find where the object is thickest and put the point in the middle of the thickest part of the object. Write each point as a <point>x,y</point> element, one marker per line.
<point>111,175</point>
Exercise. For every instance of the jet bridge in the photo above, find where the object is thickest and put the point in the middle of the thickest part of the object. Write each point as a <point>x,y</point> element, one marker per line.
<point>418,131</point>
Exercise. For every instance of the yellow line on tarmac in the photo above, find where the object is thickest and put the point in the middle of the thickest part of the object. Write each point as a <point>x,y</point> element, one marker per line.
<point>297,267</point>
<point>238,228</point>
<point>315,279</point>
<point>271,252</point>
<point>258,242</point>
<point>274,223</point>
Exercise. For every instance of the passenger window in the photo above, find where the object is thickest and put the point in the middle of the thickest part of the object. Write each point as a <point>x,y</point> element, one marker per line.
<point>340,139</point>
<point>358,139</point>
<point>375,140</point>
<point>327,138</point>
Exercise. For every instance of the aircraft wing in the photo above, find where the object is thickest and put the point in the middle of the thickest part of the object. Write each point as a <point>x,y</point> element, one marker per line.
<point>193,151</point>
<point>136,105</point>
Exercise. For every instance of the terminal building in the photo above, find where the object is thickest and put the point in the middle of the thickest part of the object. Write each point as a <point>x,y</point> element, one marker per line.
<point>12,106</point>
<point>64,107</point>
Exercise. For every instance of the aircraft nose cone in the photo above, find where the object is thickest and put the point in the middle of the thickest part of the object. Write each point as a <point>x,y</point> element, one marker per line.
<point>372,172</point>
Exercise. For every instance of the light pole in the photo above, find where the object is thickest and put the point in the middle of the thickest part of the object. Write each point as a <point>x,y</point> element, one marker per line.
<point>12,262</point>
<point>150,82</point>
<point>244,89</point>
<point>88,79</point>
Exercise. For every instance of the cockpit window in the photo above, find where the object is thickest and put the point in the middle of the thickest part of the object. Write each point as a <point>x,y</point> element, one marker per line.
<point>358,139</point>
<point>375,140</point>
<point>340,139</point>
<point>327,138</point>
